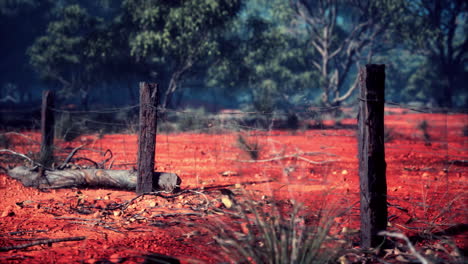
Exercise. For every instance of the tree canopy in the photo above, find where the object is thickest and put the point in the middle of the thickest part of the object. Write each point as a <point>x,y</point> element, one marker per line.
<point>266,54</point>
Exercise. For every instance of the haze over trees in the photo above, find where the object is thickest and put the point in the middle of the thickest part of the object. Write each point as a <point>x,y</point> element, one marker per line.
<point>263,55</point>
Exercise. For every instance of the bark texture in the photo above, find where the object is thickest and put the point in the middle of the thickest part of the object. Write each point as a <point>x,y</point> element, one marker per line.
<point>119,179</point>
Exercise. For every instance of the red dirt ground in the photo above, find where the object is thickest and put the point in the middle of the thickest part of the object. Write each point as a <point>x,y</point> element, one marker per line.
<point>426,189</point>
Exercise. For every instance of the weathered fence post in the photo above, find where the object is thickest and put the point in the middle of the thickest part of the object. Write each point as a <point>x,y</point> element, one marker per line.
<point>372,164</point>
<point>147,136</point>
<point>47,128</point>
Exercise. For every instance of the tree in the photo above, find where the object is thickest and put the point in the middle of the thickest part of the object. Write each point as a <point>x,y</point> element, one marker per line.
<point>438,31</point>
<point>263,59</point>
<point>19,33</point>
<point>175,38</point>
<point>62,55</point>
<point>344,33</point>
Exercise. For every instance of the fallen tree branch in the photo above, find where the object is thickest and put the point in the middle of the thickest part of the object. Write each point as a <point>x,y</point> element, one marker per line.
<point>69,157</point>
<point>42,242</point>
<point>296,155</point>
<point>408,242</point>
<point>20,155</point>
<point>120,179</point>
<point>101,164</point>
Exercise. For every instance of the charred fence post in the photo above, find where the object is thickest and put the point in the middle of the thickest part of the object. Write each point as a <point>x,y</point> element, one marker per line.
<point>147,136</point>
<point>372,166</point>
<point>47,128</point>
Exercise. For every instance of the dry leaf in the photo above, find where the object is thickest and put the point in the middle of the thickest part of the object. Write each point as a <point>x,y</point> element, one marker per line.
<point>343,260</point>
<point>229,173</point>
<point>226,201</point>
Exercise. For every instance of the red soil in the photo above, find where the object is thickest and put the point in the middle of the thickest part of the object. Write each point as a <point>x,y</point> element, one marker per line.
<point>425,188</point>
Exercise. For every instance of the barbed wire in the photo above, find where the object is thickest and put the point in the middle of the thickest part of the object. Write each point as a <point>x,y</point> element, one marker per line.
<point>310,110</point>
<point>100,111</point>
<point>428,109</point>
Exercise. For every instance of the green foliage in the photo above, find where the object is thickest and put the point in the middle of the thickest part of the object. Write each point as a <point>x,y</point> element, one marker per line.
<point>62,55</point>
<point>172,37</point>
<point>438,30</point>
<point>263,60</point>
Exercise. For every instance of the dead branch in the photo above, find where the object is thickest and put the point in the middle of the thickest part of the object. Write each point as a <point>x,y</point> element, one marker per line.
<point>69,157</point>
<point>296,155</point>
<point>21,135</point>
<point>96,165</point>
<point>408,242</point>
<point>121,179</point>
<point>101,164</point>
<point>177,214</point>
<point>20,155</point>
<point>42,242</point>
<point>159,193</point>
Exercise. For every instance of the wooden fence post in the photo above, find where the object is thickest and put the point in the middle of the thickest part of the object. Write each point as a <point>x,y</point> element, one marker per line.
<point>372,164</point>
<point>147,136</point>
<point>47,128</point>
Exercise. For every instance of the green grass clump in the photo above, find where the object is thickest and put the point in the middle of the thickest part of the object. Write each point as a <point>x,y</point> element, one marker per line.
<point>267,234</point>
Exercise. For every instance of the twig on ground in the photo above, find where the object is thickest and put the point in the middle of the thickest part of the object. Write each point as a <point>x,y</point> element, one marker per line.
<point>177,214</point>
<point>158,193</point>
<point>296,155</point>
<point>408,242</point>
<point>42,242</point>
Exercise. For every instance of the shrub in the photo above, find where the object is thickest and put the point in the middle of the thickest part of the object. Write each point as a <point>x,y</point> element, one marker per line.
<point>191,119</point>
<point>293,122</point>
<point>251,147</point>
<point>424,127</point>
<point>272,235</point>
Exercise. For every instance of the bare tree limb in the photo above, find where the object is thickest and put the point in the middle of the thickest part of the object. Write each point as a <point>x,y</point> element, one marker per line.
<point>296,155</point>
<point>410,245</point>
<point>20,155</point>
<point>69,157</point>
<point>42,242</point>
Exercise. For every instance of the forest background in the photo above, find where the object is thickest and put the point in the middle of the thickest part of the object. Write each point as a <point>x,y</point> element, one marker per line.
<point>253,55</point>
